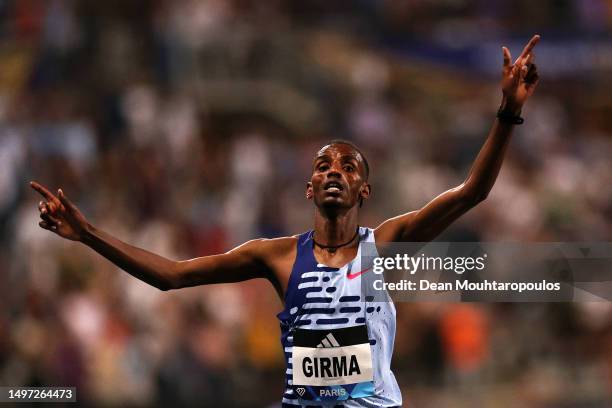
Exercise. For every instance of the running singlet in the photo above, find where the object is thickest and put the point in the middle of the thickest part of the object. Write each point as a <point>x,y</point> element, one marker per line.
<point>338,343</point>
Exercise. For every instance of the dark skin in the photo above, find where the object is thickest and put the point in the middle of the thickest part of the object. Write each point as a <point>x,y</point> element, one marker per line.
<point>337,186</point>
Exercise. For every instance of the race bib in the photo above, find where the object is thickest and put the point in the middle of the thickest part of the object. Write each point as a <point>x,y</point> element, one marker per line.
<point>332,364</point>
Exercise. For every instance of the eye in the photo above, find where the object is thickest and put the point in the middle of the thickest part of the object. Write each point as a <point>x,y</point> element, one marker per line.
<point>323,167</point>
<point>349,168</point>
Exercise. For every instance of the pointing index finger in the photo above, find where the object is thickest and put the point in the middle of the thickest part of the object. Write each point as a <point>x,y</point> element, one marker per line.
<point>532,43</point>
<point>42,190</point>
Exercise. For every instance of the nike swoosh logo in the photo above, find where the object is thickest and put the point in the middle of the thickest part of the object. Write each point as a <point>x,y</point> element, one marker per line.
<point>356,274</point>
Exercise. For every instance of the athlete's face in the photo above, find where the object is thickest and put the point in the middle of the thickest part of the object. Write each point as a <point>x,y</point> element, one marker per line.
<point>338,177</point>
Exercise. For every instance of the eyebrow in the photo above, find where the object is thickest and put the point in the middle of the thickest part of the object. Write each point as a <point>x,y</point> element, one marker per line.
<point>349,157</point>
<point>343,157</point>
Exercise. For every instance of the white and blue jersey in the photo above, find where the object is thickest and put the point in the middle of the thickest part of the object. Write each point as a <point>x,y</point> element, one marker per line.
<point>337,342</point>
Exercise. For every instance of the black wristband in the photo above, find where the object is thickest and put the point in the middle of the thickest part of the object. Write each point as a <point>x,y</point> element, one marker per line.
<point>507,117</point>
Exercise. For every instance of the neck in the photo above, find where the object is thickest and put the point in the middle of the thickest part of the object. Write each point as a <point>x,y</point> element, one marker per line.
<point>336,229</point>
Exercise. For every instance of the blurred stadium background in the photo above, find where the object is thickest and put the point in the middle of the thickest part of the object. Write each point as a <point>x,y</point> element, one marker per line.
<point>187,127</point>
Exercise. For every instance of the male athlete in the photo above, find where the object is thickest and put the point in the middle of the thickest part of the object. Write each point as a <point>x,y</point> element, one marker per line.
<point>337,344</point>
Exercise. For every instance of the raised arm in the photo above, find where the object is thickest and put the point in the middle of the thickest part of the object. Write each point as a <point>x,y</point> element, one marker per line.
<point>62,217</point>
<point>518,83</point>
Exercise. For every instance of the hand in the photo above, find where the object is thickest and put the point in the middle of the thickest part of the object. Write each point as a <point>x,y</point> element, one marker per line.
<point>520,79</point>
<point>59,215</point>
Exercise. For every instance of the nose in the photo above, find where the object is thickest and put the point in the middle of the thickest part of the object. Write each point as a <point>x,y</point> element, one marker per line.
<point>333,172</point>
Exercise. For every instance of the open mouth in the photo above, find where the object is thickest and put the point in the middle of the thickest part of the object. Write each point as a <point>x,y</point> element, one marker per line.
<point>333,187</point>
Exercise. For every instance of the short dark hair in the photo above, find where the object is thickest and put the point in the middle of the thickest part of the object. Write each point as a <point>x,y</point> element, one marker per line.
<point>358,150</point>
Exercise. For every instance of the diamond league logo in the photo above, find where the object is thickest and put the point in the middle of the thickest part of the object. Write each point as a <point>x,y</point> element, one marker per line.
<point>301,391</point>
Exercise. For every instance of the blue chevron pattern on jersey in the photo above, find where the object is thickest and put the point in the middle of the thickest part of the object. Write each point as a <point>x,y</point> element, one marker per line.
<point>320,297</point>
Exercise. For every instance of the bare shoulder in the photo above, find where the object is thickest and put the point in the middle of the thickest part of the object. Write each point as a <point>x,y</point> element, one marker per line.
<point>392,229</point>
<point>278,254</point>
<point>266,248</point>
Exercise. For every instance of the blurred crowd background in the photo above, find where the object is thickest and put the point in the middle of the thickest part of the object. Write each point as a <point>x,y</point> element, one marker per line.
<point>187,127</point>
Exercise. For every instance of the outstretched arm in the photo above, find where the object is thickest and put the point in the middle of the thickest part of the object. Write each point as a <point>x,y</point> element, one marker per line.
<point>62,217</point>
<point>518,83</point>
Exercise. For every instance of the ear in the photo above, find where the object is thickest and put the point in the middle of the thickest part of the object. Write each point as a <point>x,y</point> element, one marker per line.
<point>365,191</point>
<point>364,194</point>
<point>309,192</point>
